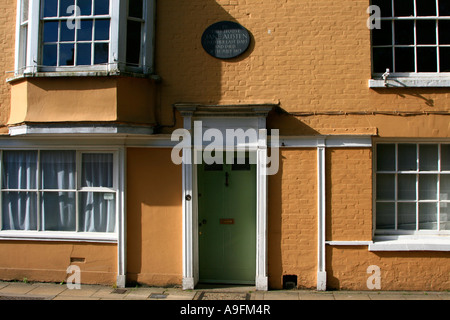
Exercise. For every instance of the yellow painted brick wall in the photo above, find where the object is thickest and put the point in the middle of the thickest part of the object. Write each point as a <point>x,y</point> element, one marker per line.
<point>7,48</point>
<point>293,219</point>
<point>309,56</point>
<point>349,194</point>
<point>347,269</point>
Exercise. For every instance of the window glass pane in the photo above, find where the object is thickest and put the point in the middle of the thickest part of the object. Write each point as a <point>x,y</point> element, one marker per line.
<point>428,187</point>
<point>65,8</point>
<point>445,187</point>
<point>445,216</point>
<point>444,58</point>
<point>51,31</point>
<point>134,42</point>
<point>428,216</point>
<point>85,31</point>
<point>444,8</point>
<point>382,36</point>
<point>85,7</point>
<point>58,170</point>
<point>386,157</point>
<point>425,7</point>
<point>426,31</point>
<point>67,34</point>
<point>58,211</point>
<point>97,212</point>
<point>385,215</point>
<point>102,30</point>
<point>97,170</point>
<point>19,211</point>
<point>382,60</point>
<point>101,53</point>
<point>427,59</point>
<point>19,170</point>
<point>445,157</point>
<point>406,187</point>
<point>407,157</point>
<point>404,8</point>
<point>444,32</point>
<point>385,187</point>
<point>25,10</point>
<point>385,6</point>
<point>50,54</point>
<point>66,54</point>
<point>406,216</point>
<point>404,32</point>
<point>428,157</point>
<point>135,8</point>
<point>84,53</point>
<point>404,60</point>
<point>101,7</point>
<point>50,8</point>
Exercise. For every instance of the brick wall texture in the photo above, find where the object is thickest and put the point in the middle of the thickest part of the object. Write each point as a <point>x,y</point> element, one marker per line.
<point>309,57</point>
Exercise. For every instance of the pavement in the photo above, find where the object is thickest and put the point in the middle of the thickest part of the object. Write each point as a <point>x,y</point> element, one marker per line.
<point>52,291</point>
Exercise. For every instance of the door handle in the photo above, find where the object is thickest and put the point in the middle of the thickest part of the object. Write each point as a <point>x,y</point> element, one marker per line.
<point>227,175</point>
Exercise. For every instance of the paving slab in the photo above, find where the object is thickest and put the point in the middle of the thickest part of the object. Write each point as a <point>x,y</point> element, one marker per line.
<point>351,296</point>
<point>84,292</point>
<point>47,289</point>
<point>16,288</point>
<point>316,296</point>
<point>281,296</point>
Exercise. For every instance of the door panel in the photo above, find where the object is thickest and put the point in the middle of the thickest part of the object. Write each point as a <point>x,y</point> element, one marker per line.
<point>227,223</point>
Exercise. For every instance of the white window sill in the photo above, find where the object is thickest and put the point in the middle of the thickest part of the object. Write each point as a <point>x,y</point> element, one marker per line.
<point>410,82</point>
<point>410,243</point>
<point>58,236</point>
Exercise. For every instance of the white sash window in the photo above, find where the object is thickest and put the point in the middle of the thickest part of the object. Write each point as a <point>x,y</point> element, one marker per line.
<point>59,191</point>
<point>84,35</point>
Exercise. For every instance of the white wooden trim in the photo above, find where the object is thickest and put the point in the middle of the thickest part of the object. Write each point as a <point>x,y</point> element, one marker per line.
<point>78,129</point>
<point>49,236</point>
<point>348,243</point>
<point>262,280</point>
<point>349,141</point>
<point>321,208</point>
<point>189,281</point>
<point>190,207</point>
<point>410,244</point>
<point>122,220</point>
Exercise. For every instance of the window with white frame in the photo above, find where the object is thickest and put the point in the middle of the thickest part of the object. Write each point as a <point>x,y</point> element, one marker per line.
<point>414,38</point>
<point>412,188</point>
<point>84,35</point>
<point>64,191</point>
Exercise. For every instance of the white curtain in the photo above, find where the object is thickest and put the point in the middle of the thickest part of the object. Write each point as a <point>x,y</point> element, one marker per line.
<point>58,192</point>
<point>19,203</point>
<point>58,208</point>
<point>97,209</point>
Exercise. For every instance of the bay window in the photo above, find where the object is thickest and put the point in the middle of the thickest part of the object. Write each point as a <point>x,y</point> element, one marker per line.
<point>59,191</point>
<point>84,35</point>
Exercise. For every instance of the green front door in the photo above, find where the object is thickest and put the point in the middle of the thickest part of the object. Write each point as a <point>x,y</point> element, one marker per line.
<point>227,223</point>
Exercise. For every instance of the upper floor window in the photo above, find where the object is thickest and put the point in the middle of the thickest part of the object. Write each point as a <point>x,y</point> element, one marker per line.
<point>84,35</point>
<point>414,38</point>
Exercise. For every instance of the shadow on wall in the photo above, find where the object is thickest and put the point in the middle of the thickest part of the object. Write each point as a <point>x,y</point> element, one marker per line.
<point>189,74</point>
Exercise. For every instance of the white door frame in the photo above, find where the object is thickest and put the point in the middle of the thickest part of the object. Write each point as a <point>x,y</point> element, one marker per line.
<point>222,118</point>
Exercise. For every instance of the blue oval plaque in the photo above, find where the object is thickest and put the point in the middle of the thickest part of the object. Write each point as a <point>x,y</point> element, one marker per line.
<point>226,40</point>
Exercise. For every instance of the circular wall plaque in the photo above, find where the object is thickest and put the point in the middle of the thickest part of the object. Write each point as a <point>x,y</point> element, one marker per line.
<point>226,40</point>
